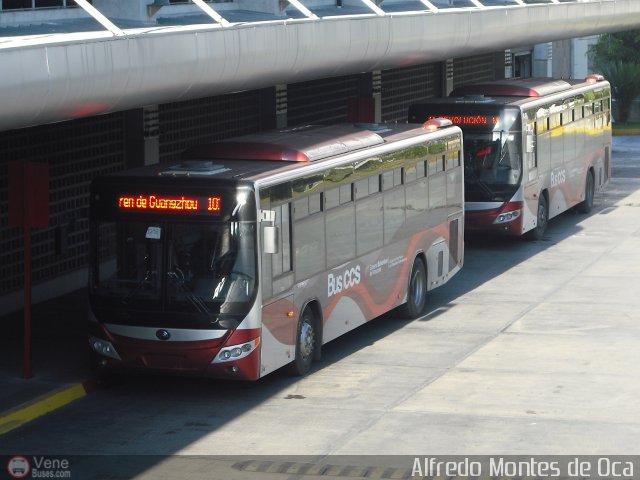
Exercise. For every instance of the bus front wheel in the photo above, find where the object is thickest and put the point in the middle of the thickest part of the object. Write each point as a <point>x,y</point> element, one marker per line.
<point>417,292</point>
<point>306,339</point>
<point>543,217</point>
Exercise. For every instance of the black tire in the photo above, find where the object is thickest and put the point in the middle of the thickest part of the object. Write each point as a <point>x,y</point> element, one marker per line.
<point>589,191</point>
<point>543,218</point>
<point>306,339</point>
<point>416,292</point>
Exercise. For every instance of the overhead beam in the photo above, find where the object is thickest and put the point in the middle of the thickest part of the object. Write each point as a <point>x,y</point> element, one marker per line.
<point>429,5</point>
<point>100,18</point>
<point>206,8</point>
<point>376,9</point>
<point>302,9</point>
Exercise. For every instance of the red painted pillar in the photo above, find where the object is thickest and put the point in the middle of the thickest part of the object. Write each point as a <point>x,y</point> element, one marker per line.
<point>28,208</point>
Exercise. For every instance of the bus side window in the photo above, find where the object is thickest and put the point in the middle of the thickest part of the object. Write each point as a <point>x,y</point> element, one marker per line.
<point>340,227</point>
<point>451,160</point>
<point>397,177</point>
<point>410,174</point>
<point>315,203</point>
<point>531,149</point>
<point>309,247</point>
<point>346,193</point>
<point>361,188</point>
<point>577,113</point>
<point>301,208</point>
<point>432,165</point>
<point>393,215</point>
<point>374,184</point>
<point>331,198</point>
<point>281,261</point>
<point>387,180</point>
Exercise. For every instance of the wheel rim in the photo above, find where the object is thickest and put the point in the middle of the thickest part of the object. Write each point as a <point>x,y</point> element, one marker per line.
<point>306,340</point>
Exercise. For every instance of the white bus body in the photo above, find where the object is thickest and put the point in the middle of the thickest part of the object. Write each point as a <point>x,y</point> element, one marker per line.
<point>255,251</point>
<point>534,149</point>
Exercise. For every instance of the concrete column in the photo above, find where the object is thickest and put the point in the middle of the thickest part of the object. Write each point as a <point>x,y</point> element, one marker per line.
<point>281,105</point>
<point>447,77</point>
<point>561,62</point>
<point>367,107</point>
<point>542,60</point>
<point>504,65</point>
<point>142,136</point>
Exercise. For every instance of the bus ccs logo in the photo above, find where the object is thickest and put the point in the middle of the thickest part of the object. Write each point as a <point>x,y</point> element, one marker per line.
<point>343,281</point>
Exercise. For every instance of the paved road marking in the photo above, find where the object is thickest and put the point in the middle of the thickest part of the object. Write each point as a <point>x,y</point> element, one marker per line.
<point>39,406</point>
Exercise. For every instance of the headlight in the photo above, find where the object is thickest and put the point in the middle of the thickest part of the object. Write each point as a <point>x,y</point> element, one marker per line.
<point>103,347</point>
<point>236,352</point>
<point>507,216</point>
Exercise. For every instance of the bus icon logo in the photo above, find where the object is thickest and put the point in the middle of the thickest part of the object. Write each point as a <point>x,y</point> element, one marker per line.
<point>163,334</point>
<point>18,467</point>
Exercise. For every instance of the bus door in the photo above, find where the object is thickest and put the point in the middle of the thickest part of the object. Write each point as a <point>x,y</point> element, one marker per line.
<point>279,324</point>
<point>530,154</point>
<point>532,177</point>
<point>574,164</point>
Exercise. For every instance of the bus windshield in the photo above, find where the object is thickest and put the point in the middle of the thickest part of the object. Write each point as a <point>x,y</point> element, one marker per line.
<point>206,271</point>
<point>493,165</point>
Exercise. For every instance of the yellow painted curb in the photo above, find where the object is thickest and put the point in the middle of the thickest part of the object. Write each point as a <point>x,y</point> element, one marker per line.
<point>33,409</point>
<point>626,131</point>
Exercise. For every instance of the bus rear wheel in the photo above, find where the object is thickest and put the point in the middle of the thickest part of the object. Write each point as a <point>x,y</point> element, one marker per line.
<point>306,339</point>
<point>543,217</point>
<point>589,190</point>
<point>417,292</point>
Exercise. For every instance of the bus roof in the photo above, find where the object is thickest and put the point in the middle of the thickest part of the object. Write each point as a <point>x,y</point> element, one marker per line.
<point>301,144</point>
<point>518,87</point>
<point>285,150</point>
<point>489,97</point>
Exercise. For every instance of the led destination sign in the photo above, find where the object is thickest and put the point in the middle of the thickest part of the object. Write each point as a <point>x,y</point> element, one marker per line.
<point>468,119</point>
<point>159,203</point>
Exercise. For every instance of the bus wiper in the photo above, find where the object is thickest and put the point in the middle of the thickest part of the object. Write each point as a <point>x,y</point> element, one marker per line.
<point>471,177</point>
<point>136,288</point>
<point>197,302</point>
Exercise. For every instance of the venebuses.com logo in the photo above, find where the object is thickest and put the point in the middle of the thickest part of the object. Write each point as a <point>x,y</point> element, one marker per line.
<point>18,467</point>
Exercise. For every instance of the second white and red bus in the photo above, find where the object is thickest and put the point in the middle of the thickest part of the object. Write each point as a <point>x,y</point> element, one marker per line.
<point>534,148</point>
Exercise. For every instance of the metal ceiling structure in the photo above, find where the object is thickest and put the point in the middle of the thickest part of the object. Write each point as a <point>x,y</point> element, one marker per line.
<point>61,76</point>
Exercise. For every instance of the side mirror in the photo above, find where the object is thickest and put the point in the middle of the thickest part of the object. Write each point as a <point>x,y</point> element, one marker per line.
<point>270,239</point>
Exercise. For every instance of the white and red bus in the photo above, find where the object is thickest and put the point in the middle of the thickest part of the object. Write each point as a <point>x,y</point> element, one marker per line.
<point>252,253</point>
<point>534,148</point>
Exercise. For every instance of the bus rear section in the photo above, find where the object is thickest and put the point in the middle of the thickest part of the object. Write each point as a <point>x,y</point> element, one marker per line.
<point>254,252</point>
<point>534,149</point>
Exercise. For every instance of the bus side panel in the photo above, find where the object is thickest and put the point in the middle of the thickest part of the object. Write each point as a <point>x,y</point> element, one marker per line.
<point>374,284</point>
<point>556,183</point>
<point>579,166</point>
<point>279,324</point>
